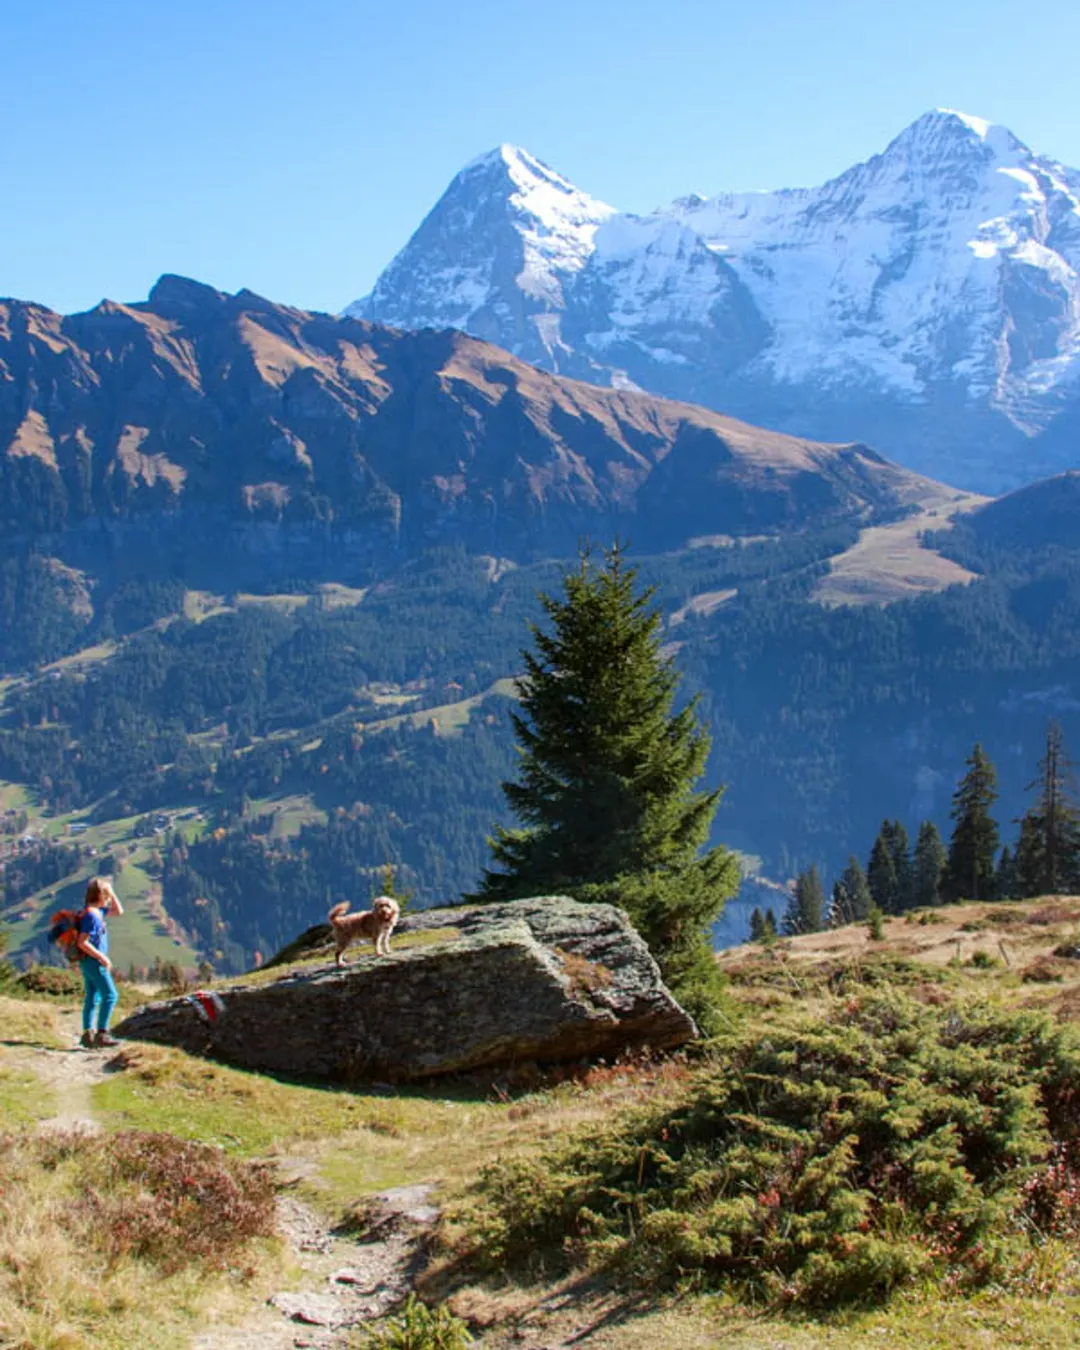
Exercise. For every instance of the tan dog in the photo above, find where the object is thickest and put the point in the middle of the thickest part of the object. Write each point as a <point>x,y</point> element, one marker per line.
<point>376,923</point>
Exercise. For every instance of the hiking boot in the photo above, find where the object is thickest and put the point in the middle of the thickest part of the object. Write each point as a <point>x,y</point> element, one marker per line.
<point>103,1040</point>
<point>87,1040</point>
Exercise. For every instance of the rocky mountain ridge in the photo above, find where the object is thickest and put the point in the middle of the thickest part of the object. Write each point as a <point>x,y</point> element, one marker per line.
<point>926,300</point>
<point>276,429</point>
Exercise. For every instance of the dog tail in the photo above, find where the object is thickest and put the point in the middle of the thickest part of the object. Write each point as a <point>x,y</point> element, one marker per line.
<point>338,910</point>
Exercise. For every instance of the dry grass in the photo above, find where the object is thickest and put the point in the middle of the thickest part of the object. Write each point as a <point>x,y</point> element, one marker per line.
<point>583,1314</point>
<point>448,718</point>
<point>61,1289</point>
<point>1016,940</point>
<point>701,606</point>
<point>24,1100</point>
<point>29,1023</point>
<point>336,595</point>
<point>89,656</point>
<point>890,562</point>
<point>365,1140</point>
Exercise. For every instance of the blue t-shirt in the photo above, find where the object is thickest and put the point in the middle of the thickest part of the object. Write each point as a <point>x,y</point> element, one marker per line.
<point>92,924</point>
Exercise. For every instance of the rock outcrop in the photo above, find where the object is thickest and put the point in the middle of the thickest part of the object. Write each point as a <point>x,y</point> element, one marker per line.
<point>544,979</point>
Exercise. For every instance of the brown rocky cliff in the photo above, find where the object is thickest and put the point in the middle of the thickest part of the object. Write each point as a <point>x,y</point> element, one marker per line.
<point>199,404</point>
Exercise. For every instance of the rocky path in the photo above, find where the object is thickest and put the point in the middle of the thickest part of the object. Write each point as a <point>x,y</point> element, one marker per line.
<point>70,1074</point>
<point>344,1282</point>
<point>341,1281</point>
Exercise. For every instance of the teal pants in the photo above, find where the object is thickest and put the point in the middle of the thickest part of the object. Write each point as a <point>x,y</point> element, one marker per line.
<point>101,994</point>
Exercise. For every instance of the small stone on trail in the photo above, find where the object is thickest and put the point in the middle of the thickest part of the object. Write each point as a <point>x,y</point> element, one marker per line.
<point>318,1310</point>
<point>350,1276</point>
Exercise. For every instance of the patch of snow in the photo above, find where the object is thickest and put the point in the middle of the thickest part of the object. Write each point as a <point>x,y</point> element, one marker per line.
<point>979,125</point>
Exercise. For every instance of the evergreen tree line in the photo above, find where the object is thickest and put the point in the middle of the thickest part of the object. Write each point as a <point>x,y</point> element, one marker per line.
<point>1045,858</point>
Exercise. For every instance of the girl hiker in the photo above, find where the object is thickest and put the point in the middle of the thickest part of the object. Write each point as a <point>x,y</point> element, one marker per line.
<point>93,945</point>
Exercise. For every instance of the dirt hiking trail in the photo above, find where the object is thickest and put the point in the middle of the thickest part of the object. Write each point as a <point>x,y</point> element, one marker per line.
<point>338,1282</point>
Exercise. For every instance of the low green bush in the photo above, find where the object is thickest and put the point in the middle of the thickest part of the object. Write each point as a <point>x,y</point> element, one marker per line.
<point>418,1327</point>
<point>819,1162</point>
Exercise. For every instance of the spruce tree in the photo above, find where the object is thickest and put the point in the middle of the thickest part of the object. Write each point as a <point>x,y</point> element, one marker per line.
<point>927,867</point>
<point>757,925</point>
<point>969,868</point>
<point>1007,877</point>
<point>881,871</point>
<point>1048,853</point>
<point>771,929</point>
<point>806,909</point>
<point>851,898</point>
<point>1028,863</point>
<point>605,787</point>
<point>900,849</point>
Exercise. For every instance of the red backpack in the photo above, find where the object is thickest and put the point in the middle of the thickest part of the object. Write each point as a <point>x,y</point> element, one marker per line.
<point>64,931</point>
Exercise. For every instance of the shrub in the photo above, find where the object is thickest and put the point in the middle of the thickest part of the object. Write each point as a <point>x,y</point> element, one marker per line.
<point>89,1225</point>
<point>419,1327</point>
<point>819,1163</point>
<point>165,1200</point>
<point>52,981</point>
<point>1043,970</point>
<point>983,960</point>
<point>876,926</point>
<point>173,979</point>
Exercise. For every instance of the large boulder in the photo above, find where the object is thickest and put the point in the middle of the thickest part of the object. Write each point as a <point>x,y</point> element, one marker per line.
<point>544,979</point>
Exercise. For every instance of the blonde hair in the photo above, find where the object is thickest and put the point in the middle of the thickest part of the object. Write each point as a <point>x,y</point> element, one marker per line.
<point>98,892</point>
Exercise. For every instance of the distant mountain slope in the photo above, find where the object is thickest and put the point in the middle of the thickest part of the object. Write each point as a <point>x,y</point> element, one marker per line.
<point>199,410</point>
<point>1046,513</point>
<point>926,301</point>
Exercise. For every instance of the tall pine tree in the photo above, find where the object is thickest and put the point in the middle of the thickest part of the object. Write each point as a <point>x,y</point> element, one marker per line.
<point>881,871</point>
<point>969,868</point>
<point>1048,852</point>
<point>851,898</point>
<point>928,867</point>
<point>605,786</point>
<point>806,909</point>
<point>1007,885</point>
<point>900,848</point>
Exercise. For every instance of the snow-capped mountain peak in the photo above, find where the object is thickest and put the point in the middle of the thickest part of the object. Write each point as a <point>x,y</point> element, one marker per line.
<point>927,297</point>
<point>497,249</point>
<point>979,125</point>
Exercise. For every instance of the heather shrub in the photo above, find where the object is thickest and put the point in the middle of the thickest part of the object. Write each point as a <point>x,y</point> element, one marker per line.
<point>100,1235</point>
<point>53,981</point>
<point>163,1200</point>
<point>821,1162</point>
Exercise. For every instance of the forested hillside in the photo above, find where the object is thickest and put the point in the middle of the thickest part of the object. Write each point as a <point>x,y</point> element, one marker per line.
<point>384,708</point>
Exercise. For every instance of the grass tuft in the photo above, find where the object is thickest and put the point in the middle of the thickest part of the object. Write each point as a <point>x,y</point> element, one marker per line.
<point>97,1232</point>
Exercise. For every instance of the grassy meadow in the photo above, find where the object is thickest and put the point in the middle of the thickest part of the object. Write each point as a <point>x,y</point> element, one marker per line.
<point>583,1133</point>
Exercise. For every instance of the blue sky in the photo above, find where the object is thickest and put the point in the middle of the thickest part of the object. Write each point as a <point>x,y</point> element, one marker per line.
<point>293,148</point>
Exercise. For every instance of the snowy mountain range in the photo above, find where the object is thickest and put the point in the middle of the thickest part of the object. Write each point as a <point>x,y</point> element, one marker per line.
<point>926,301</point>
